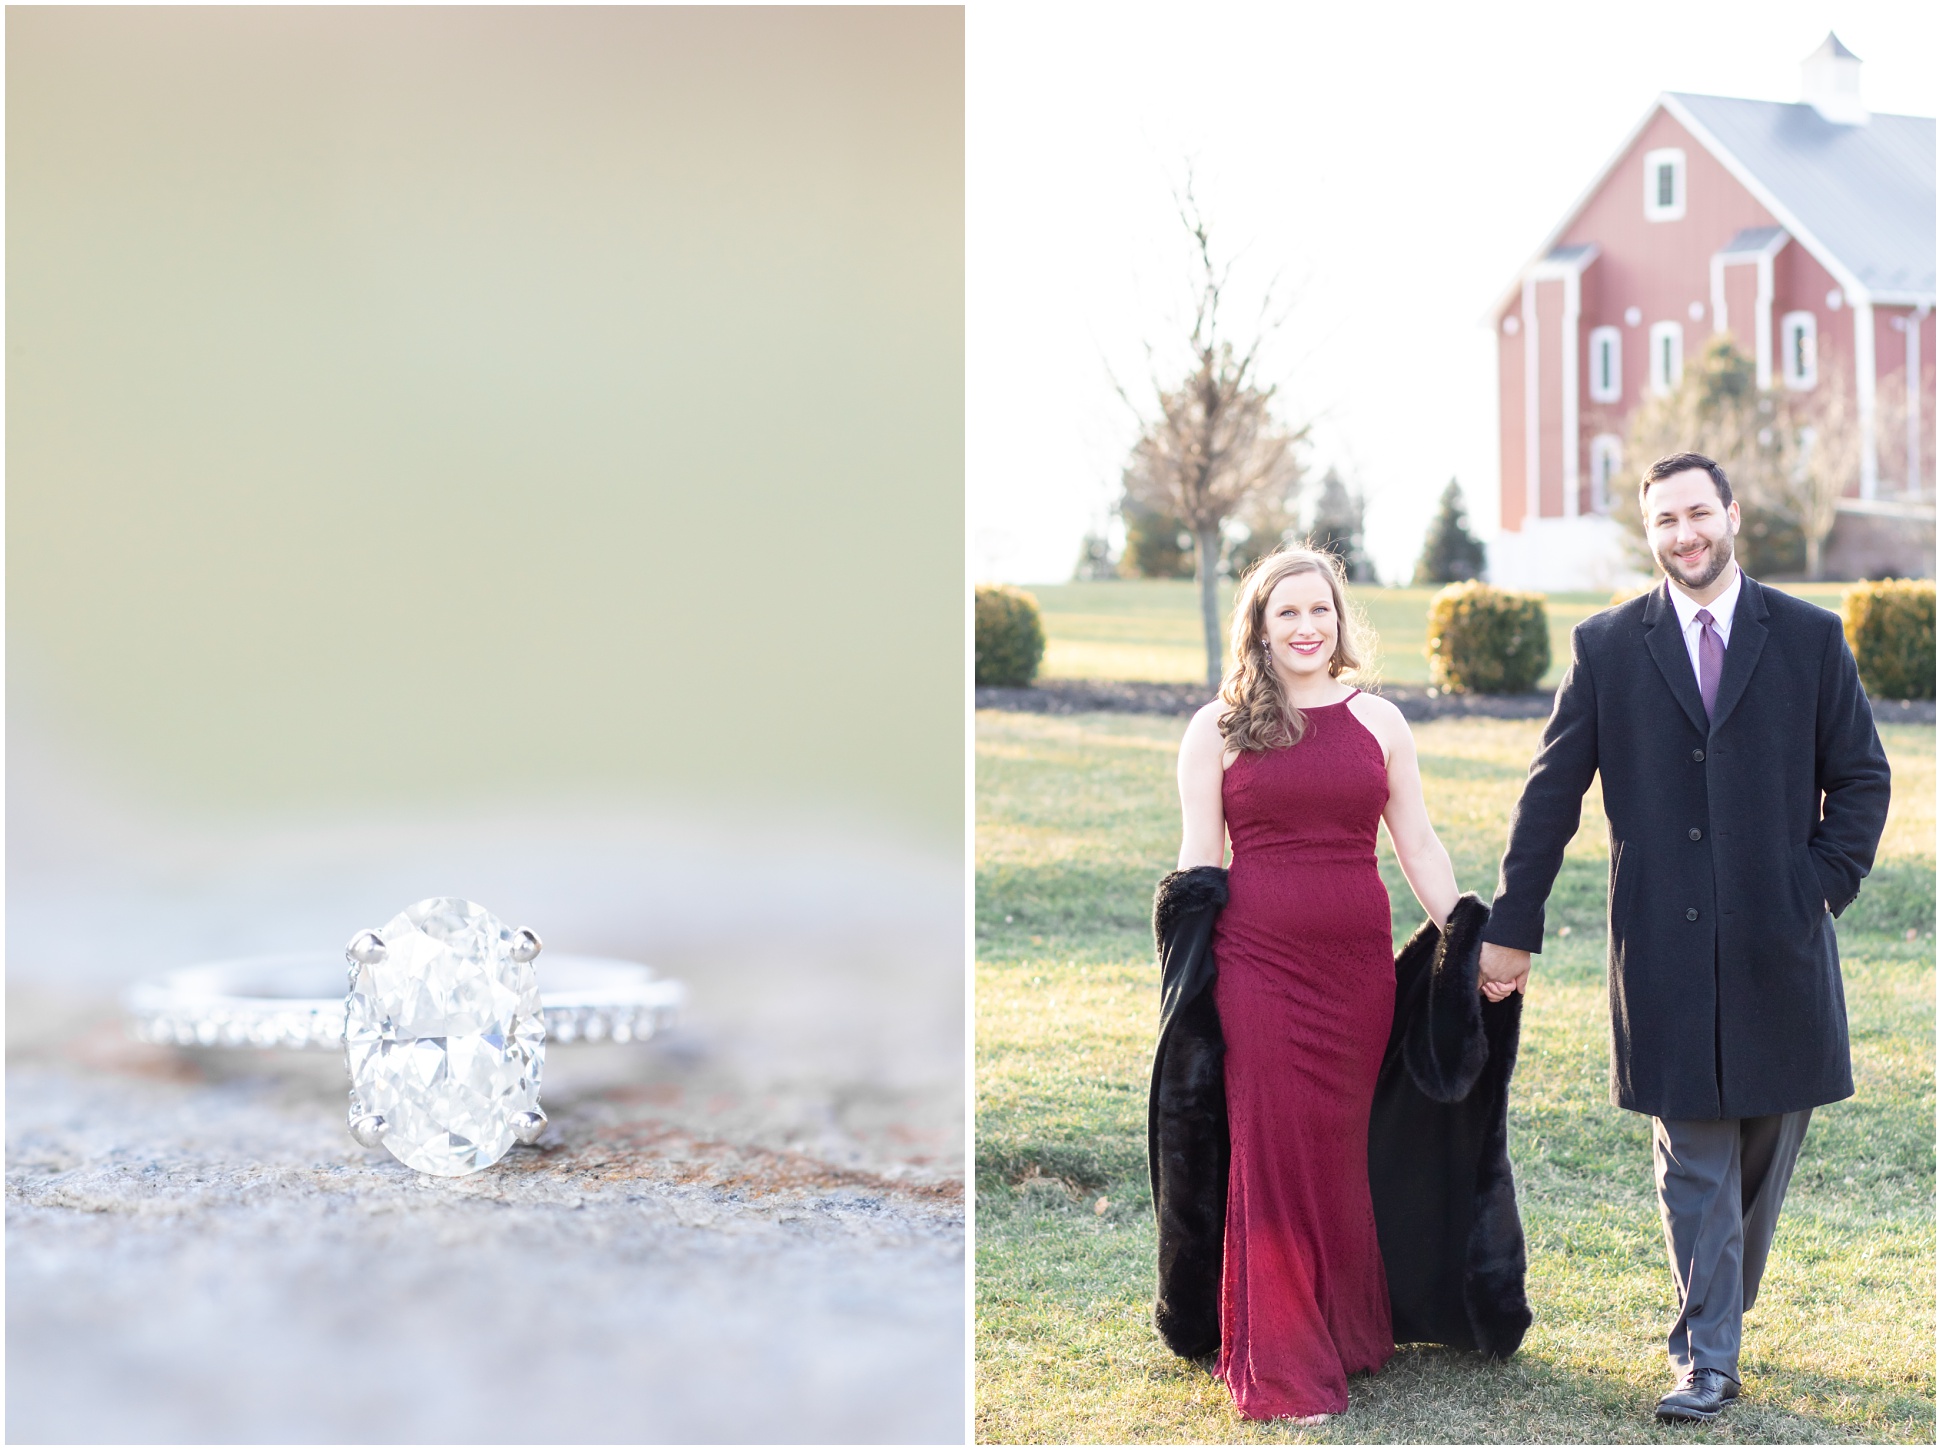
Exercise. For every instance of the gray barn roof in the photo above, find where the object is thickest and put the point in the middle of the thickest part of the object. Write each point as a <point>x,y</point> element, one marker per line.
<point>1865,193</point>
<point>1750,240</point>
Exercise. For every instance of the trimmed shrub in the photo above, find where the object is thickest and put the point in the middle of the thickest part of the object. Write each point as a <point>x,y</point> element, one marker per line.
<point>1890,629</point>
<point>1487,641</point>
<point>1010,636</point>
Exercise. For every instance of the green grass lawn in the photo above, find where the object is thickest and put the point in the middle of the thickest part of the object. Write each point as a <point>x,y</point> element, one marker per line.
<point>1149,629</point>
<point>1076,821</point>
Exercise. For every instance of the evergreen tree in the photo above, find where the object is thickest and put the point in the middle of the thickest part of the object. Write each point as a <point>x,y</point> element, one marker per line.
<point>1450,553</point>
<point>1262,525</point>
<point>1337,527</point>
<point>1095,559</point>
<point>1153,544</point>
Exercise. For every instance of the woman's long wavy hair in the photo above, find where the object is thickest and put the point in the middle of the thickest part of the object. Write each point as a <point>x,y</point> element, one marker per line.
<point>1258,715</point>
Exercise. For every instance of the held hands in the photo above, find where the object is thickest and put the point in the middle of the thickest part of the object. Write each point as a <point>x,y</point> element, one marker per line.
<point>1502,970</point>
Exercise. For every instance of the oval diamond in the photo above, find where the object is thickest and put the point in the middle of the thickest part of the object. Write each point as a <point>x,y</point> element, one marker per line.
<point>444,1037</point>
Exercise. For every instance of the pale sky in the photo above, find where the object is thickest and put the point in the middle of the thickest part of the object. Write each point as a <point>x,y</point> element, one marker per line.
<point>1394,165</point>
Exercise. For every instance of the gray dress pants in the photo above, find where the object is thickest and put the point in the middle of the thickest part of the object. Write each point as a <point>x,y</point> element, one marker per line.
<point>1720,1184</point>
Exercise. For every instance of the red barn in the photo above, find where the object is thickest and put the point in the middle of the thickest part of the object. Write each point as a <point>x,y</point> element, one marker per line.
<point>1806,232</point>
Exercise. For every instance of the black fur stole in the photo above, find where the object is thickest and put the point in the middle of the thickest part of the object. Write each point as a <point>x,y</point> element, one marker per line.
<point>1438,1148</point>
<point>1439,1169</point>
<point>1186,1114</point>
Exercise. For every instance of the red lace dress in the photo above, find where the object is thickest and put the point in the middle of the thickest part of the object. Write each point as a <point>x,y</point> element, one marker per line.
<point>1306,990</point>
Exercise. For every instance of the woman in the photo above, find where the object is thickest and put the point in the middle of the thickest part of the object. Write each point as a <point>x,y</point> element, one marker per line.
<point>1296,767</point>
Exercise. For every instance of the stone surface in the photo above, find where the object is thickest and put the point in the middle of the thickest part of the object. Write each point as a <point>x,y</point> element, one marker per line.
<point>751,1230</point>
<point>444,1037</point>
<point>198,1253</point>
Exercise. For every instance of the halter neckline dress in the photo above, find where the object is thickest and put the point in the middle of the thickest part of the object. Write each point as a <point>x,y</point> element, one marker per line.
<point>1306,993</point>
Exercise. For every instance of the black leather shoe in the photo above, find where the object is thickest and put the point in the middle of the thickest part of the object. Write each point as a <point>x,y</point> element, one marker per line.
<point>1699,1396</point>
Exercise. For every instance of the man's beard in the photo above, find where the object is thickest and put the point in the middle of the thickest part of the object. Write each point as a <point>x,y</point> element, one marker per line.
<point>1717,561</point>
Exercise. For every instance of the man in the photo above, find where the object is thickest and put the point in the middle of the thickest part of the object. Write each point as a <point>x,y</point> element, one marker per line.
<point>1746,790</point>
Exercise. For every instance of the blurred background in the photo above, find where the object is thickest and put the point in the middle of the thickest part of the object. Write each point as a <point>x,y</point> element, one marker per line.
<point>513,453</point>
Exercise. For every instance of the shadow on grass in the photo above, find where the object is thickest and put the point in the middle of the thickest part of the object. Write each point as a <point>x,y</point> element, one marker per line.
<point>1433,1395</point>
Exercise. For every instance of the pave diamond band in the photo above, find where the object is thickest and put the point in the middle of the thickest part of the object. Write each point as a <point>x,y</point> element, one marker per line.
<point>442,1025</point>
<point>287,1002</point>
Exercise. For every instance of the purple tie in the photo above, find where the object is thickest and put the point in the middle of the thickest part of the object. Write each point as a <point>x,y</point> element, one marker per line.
<point>1711,660</point>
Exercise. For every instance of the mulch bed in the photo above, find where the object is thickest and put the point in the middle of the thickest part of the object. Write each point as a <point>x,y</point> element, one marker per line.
<point>1416,702</point>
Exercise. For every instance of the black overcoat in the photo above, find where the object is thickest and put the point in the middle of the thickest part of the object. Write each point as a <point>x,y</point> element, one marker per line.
<point>1729,841</point>
<point>1438,1151</point>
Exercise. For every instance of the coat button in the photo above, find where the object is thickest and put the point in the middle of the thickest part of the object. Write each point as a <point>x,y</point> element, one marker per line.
<point>1691,913</point>
<point>1698,755</point>
<point>1695,833</point>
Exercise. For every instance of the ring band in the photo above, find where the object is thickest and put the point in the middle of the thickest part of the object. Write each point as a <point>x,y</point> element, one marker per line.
<point>289,1002</point>
<point>442,1026</point>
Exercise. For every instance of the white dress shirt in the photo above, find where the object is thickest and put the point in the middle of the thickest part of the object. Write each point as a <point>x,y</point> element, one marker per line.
<point>1721,609</point>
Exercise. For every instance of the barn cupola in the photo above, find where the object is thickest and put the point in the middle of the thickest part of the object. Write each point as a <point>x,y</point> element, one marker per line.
<point>1830,83</point>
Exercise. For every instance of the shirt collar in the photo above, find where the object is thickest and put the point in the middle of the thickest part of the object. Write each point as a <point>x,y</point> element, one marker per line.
<point>1721,607</point>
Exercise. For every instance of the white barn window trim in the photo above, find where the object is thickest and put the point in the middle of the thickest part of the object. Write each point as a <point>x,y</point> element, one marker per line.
<point>1607,458</point>
<point>1667,356</point>
<point>1606,365</point>
<point>1664,184</point>
<point>1799,349</point>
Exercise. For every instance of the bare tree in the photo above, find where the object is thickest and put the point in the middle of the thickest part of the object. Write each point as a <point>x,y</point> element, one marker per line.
<point>1818,447</point>
<point>1905,433</point>
<point>1213,444</point>
<point>1718,409</point>
<point>1792,456</point>
<point>1261,525</point>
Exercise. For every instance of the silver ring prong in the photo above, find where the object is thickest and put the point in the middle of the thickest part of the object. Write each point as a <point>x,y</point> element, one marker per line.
<point>526,944</point>
<point>365,948</point>
<point>368,1129</point>
<point>526,1127</point>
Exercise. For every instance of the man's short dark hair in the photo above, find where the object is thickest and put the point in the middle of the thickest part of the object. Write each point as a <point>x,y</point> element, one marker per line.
<point>1676,463</point>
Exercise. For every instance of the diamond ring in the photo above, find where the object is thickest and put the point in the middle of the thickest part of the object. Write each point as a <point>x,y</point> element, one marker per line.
<point>444,1028</point>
